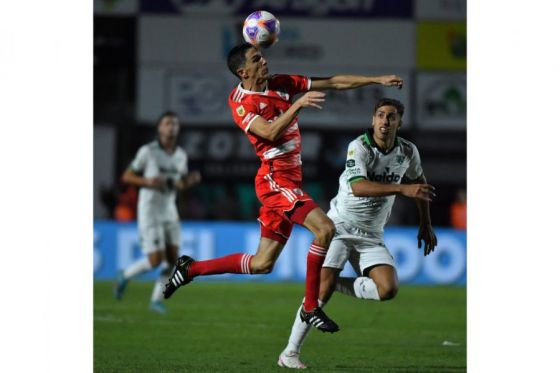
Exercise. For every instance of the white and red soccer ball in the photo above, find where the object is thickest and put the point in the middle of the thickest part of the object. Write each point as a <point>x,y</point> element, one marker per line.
<point>261,29</point>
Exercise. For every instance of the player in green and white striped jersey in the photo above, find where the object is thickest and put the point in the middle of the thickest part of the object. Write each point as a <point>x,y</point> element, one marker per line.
<point>376,164</point>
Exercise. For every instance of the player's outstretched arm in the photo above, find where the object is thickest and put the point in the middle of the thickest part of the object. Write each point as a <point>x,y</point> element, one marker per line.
<point>355,81</point>
<point>271,131</point>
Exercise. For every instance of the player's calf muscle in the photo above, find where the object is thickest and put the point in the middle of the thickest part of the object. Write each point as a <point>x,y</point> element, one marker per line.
<point>261,265</point>
<point>387,292</point>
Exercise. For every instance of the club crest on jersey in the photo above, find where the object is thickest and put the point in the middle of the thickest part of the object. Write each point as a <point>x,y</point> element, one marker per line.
<point>351,153</point>
<point>400,159</point>
<point>350,163</point>
<point>240,110</point>
<point>298,191</point>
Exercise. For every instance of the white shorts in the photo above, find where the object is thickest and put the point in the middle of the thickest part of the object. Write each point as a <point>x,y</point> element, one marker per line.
<point>154,237</point>
<point>362,252</point>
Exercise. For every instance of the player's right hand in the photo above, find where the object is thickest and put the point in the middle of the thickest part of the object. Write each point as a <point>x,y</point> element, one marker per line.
<point>392,81</point>
<point>155,183</point>
<point>311,98</point>
<point>194,177</point>
<point>421,191</point>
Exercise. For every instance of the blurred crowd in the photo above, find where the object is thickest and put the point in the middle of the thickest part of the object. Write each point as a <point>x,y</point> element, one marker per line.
<point>237,202</point>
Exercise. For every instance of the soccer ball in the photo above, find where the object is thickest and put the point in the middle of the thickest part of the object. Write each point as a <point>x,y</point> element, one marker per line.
<point>261,29</point>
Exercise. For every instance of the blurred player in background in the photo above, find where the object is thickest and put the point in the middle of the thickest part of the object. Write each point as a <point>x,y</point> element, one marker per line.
<point>263,107</point>
<point>376,163</point>
<point>159,169</point>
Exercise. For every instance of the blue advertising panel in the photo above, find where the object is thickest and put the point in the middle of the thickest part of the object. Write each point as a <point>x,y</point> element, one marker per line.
<point>116,246</point>
<point>296,8</point>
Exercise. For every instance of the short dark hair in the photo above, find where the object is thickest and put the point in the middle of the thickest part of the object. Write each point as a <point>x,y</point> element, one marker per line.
<point>385,101</point>
<point>167,113</point>
<point>236,57</point>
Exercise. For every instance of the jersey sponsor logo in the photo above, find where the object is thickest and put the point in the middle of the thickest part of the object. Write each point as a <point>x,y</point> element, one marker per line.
<point>386,177</point>
<point>170,170</point>
<point>350,163</point>
<point>351,172</point>
<point>240,110</point>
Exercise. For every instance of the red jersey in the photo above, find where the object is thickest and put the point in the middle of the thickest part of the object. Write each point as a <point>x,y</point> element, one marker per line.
<point>278,183</point>
<point>246,106</point>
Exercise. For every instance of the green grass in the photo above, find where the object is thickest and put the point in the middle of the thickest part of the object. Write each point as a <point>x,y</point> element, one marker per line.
<point>242,327</point>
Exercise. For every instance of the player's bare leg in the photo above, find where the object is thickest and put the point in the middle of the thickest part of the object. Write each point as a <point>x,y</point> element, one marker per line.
<point>155,258</point>
<point>385,278</point>
<point>323,229</point>
<point>328,283</point>
<point>381,284</point>
<point>170,257</point>
<point>289,358</point>
<point>267,254</point>
<point>142,265</point>
<point>171,253</point>
<point>187,268</point>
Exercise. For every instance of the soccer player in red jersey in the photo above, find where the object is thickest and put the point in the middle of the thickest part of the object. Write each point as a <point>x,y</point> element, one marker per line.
<point>263,107</point>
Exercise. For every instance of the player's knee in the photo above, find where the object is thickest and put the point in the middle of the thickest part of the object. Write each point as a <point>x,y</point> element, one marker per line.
<point>387,291</point>
<point>155,260</point>
<point>326,233</point>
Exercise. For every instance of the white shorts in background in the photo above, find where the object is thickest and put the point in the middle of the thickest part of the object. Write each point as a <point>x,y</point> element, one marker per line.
<point>363,252</point>
<point>155,237</point>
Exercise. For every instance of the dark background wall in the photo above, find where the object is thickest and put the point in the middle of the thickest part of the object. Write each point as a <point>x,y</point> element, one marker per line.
<point>151,56</point>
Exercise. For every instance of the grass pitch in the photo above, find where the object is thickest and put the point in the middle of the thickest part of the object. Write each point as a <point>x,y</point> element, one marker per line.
<point>242,327</point>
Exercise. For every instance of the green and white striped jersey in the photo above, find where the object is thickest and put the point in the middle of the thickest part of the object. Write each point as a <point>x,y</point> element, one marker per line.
<point>151,161</point>
<point>366,161</point>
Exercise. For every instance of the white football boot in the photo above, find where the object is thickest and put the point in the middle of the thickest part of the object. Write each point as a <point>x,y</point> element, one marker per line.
<point>290,360</point>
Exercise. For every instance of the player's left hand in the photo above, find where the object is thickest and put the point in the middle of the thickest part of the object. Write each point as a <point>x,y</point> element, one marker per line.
<point>392,81</point>
<point>427,234</point>
<point>193,178</point>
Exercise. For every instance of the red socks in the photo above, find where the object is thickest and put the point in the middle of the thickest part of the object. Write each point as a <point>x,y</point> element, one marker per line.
<point>315,259</point>
<point>234,263</point>
<point>241,263</point>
